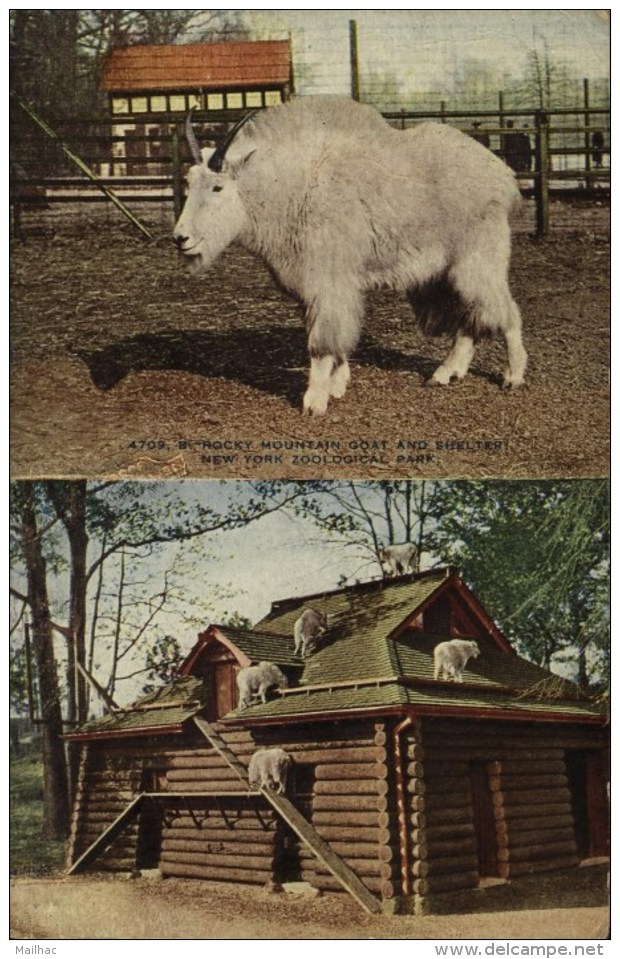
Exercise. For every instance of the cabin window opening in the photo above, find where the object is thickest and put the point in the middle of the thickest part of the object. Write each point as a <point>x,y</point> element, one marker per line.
<point>484,820</point>
<point>589,803</point>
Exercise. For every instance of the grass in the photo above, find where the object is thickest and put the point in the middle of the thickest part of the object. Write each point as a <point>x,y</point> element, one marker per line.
<point>31,854</point>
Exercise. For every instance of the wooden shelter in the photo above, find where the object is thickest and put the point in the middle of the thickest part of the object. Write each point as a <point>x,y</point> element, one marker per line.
<point>410,787</point>
<point>147,84</point>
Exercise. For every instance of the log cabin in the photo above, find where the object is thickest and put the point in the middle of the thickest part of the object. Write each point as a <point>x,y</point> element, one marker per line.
<point>405,789</point>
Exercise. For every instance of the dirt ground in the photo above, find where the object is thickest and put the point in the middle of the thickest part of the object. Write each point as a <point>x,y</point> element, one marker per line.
<point>124,365</point>
<point>570,905</point>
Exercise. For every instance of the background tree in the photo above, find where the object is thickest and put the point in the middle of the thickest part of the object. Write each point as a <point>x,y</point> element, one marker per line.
<point>75,542</point>
<point>537,555</point>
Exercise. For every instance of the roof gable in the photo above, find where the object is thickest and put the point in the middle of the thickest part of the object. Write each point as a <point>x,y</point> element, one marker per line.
<point>197,66</point>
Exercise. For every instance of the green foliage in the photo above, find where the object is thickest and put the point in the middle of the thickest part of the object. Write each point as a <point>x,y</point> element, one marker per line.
<point>30,852</point>
<point>536,554</point>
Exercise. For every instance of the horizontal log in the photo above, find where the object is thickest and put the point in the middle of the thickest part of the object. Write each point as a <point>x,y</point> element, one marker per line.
<point>368,834</point>
<point>243,835</point>
<point>447,803</point>
<point>208,846</point>
<point>417,803</point>
<point>449,831</point>
<point>532,812</point>
<point>438,771</point>
<point>444,817</point>
<point>350,818</point>
<point>542,850</point>
<point>415,751</point>
<point>419,869</point>
<point>350,787</point>
<point>372,852</point>
<point>209,786</point>
<point>451,882</point>
<point>531,767</point>
<point>532,796</point>
<point>222,874</point>
<point>325,747</point>
<point>453,865</point>
<point>544,865</point>
<point>520,827</point>
<point>535,781</point>
<point>518,839</point>
<point>364,868</point>
<point>440,849</point>
<point>342,770</point>
<point>214,859</point>
<point>203,774</point>
<point>455,785</point>
<point>365,802</point>
<point>238,819</point>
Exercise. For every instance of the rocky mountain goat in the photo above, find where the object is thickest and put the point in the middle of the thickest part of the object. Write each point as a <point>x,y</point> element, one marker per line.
<point>452,657</point>
<point>337,202</point>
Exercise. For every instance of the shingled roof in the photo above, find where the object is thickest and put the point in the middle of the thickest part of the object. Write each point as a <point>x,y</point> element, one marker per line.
<point>376,658</point>
<point>207,66</point>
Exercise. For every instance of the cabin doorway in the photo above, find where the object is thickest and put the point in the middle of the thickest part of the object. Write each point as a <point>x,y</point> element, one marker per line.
<point>484,820</point>
<point>301,783</point>
<point>150,821</point>
<point>586,781</point>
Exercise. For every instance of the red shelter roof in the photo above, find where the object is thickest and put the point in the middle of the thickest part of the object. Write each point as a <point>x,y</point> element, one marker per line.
<point>197,65</point>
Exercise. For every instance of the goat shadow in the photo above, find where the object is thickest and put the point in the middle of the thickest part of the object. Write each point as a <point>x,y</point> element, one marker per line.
<point>273,361</point>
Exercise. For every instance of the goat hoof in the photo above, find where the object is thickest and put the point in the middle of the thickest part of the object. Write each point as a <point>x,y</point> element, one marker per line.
<point>432,382</point>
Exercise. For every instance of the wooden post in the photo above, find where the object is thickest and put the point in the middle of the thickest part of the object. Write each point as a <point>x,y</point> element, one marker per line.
<point>355,74</point>
<point>586,123</point>
<point>177,180</point>
<point>541,188</point>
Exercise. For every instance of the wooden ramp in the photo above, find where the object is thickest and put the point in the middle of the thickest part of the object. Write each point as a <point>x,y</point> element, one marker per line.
<point>108,835</point>
<point>299,824</point>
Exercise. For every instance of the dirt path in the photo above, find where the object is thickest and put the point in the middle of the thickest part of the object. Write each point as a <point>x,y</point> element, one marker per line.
<point>124,365</point>
<point>570,905</point>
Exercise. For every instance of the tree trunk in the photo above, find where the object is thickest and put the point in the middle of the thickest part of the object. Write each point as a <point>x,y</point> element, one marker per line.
<point>55,789</point>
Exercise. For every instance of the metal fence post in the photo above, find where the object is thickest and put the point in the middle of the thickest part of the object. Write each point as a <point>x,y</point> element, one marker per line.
<point>541,187</point>
<point>177,180</point>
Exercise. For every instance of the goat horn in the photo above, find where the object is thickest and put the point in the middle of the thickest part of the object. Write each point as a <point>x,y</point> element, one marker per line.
<point>191,138</point>
<point>217,157</point>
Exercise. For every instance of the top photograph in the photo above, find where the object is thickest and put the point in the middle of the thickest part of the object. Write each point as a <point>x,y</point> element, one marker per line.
<point>271,244</point>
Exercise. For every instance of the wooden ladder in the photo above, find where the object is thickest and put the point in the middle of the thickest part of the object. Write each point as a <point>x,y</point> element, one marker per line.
<point>299,824</point>
<point>108,834</point>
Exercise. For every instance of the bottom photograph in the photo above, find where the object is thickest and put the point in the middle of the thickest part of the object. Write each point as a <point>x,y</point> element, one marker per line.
<point>331,709</point>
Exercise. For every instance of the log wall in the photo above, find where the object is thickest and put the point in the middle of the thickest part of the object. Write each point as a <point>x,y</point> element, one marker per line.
<point>530,796</point>
<point>343,784</point>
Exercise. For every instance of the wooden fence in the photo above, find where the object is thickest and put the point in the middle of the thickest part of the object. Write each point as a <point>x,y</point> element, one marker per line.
<point>142,157</point>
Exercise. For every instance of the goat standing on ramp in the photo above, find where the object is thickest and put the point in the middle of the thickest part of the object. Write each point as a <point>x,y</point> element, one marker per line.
<point>337,202</point>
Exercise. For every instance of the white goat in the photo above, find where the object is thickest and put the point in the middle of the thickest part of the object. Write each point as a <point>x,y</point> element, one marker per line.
<point>254,682</point>
<point>399,559</point>
<point>452,657</point>
<point>307,632</point>
<point>338,202</point>
<point>270,768</point>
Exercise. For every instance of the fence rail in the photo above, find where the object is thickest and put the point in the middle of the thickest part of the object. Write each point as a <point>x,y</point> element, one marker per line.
<point>141,156</point>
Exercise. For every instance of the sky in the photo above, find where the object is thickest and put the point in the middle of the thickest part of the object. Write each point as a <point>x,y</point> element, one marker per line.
<point>422,47</point>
